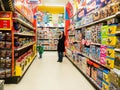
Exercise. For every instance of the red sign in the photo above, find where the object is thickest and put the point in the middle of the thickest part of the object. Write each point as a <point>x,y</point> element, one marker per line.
<point>4,24</point>
<point>5,15</point>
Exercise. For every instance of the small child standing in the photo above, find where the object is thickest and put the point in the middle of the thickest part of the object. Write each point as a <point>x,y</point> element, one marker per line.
<point>40,49</point>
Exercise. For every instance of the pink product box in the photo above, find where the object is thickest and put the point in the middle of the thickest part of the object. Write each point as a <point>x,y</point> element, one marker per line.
<point>103,50</point>
<point>103,59</point>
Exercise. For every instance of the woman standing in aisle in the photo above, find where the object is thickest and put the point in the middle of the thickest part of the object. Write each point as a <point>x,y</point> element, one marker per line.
<point>61,46</point>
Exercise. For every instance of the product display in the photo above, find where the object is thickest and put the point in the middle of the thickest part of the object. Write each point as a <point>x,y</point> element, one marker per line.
<point>48,37</point>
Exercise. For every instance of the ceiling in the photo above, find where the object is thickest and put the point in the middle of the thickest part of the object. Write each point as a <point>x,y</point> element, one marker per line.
<point>54,2</point>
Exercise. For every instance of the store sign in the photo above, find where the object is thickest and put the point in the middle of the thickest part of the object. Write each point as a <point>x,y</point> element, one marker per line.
<point>69,8</point>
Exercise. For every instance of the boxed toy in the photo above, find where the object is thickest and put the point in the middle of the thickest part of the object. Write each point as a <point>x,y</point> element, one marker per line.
<point>8,36</point>
<point>8,72</point>
<point>2,73</point>
<point>8,62</point>
<point>2,44</point>
<point>113,87</point>
<point>99,81</point>
<point>103,13</point>
<point>110,52</point>
<point>3,53</point>
<point>92,51</point>
<point>89,67</point>
<point>114,77</point>
<point>105,76</point>
<point>117,60</point>
<point>100,73</point>
<point>105,86</point>
<point>113,21</point>
<point>94,71</point>
<point>104,40</point>
<point>96,15</point>
<point>117,41</point>
<point>97,55</point>
<point>111,40</point>
<point>112,29</point>
<point>2,62</point>
<point>8,45</point>
<point>2,36</point>
<point>8,53</point>
<point>110,62</point>
<point>104,30</point>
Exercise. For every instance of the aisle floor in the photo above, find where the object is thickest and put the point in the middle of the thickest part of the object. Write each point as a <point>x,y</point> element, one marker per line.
<point>48,74</point>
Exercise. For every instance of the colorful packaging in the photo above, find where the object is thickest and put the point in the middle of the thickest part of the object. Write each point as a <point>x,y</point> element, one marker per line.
<point>105,76</point>
<point>110,52</point>
<point>117,42</point>
<point>114,77</point>
<point>110,62</point>
<point>100,73</point>
<point>104,40</point>
<point>103,59</point>
<point>117,60</point>
<point>105,86</point>
<point>112,29</point>
<point>104,30</point>
<point>89,67</point>
<point>99,81</point>
<point>111,40</point>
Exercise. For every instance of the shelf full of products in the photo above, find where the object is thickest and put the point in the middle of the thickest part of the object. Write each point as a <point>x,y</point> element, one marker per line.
<point>95,46</point>
<point>48,37</point>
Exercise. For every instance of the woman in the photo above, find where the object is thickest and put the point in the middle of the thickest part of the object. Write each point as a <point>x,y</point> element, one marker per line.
<point>61,47</point>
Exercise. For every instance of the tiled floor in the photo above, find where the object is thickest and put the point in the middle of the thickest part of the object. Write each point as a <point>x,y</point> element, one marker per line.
<point>48,74</point>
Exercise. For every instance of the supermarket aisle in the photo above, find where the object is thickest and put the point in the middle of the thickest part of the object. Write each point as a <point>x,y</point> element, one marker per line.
<point>48,74</point>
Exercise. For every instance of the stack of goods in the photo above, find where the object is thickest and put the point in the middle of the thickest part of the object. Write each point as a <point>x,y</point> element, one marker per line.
<point>5,54</point>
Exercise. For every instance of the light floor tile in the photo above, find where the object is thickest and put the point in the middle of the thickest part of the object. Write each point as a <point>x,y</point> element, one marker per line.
<point>48,74</point>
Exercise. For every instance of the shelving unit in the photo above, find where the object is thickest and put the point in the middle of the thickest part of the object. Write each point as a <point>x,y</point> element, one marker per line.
<point>48,37</point>
<point>94,48</point>
<point>17,42</point>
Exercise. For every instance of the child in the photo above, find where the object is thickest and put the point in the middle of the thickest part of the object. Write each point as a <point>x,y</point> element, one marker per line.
<point>40,50</point>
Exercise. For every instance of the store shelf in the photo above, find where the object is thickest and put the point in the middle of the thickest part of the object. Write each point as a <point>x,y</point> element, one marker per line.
<point>26,67</point>
<point>24,23</point>
<point>88,78</point>
<point>48,38</point>
<point>25,46</point>
<point>96,61</point>
<point>23,34</point>
<point>117,32</point>
<point>71,34</point>
<point>117,49</point>
<point>99,21</point>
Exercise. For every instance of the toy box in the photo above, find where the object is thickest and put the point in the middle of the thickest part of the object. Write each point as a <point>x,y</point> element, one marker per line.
<point>103,12</point>
<point>104,30</point>
<point>117,42</point>
<point>89,67</point>
<point>114,77</point>
<point>96,15</point>
<point>112,29</point>
<point>97,55</point>
<point>105,76</point>
<point>103,60</point>
<point>110,62</point>
<point>100,73</point>
<point>2,62</point>
<point>94,71</point>
<point>112,21</point>
<point>2,73</point>
<point>117,60</point>
<point>110,52</point>
<point>105,86</point>
<point>92,51</point>
<point>99,81</point>
<point>111,40</point>
<point>113,87</point>
<point>104,40</point>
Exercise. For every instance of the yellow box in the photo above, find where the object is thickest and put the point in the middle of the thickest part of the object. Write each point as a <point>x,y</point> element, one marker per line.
<point>105,77</point>
<point>111,52</point>
<point>111,40</point>
<point>110,63</point>
<point>105,86</point>
<point>112,29</point>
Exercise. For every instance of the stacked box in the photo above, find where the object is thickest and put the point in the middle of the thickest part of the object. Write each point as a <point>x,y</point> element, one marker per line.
<point>103,54</point>
<point>114,77</point>
<point>104,34</point>
<point>117,60</point>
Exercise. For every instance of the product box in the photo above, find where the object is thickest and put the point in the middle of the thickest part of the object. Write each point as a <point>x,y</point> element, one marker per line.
<point>100,73</point>
<point>2,62</point>
<point>2,73</point>
<point>110,62</point>
<point>99,81</point>
<point>94,71</point>
<point>103,60</point>
<point>113,87</point>
<point>117,60</point>
<point>104,40</point>
<point>113,21</point>
<point>105,76</point>
<point>117,41</point>
<point>111,40</point>
<point>110,52</point>
<point>114,77</point>
<point>103,12</point>
<point>112,29</point>
<point>104,30</point>
<point>96,15</point>
<point>105,86</point>
<point>89,67</point>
